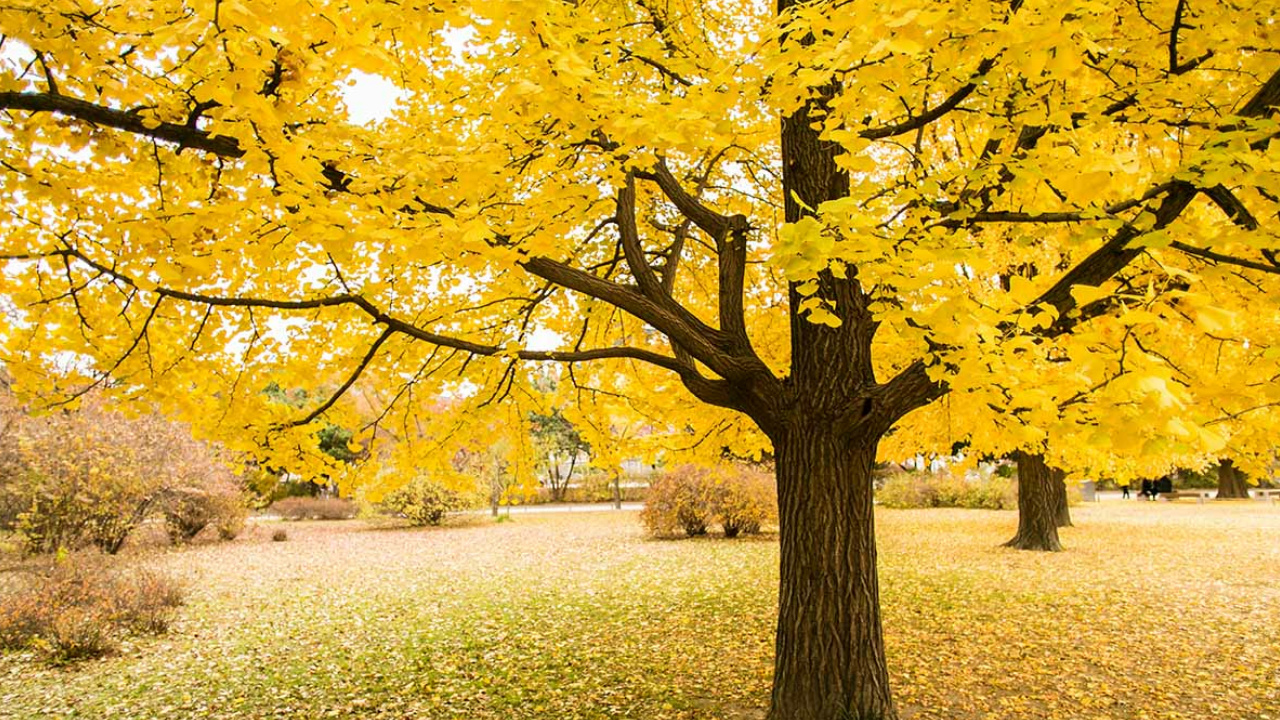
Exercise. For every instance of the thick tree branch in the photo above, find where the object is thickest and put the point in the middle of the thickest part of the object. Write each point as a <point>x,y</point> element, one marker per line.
<point>632,248</point>
<point>131,122</point>
<point>730,235</point>
<point>392,323</point>
<point>661,317</point>
<point>1102,264</point>
<point>714,224</point>
<point>1234,208</point>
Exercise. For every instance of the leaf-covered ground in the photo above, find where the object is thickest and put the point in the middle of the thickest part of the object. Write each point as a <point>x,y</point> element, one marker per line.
<point>1155,611</point>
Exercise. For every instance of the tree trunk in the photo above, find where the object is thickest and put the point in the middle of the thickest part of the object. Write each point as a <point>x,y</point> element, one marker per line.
<point>554,481</point>
<point>830,661</point>
<point>1037,506</point>
<point>1062,509</point>
<point>617,491</point>
<point>1231,484</point>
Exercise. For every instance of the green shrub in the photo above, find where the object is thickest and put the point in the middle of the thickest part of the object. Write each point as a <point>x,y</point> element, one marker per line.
<point>691,499</point>
<point>78,609</point>
<point>424,501</point>
<point>312,508</point>
<point>945,490</point>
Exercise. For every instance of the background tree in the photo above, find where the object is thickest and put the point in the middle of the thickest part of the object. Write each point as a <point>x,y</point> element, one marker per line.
<point>559,446</point>
<point>1231,482</point>
<point>201,215</point>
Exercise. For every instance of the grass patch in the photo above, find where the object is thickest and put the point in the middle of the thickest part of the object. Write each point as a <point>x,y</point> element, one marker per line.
<point>1155,611</point>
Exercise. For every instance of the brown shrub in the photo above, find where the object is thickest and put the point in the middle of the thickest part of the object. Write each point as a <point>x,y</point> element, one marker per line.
<point>279,535</point>
<point>92,476</point>
<point>309,508</point>
<point>79,608</point>
<point>681,500</point>
<point>189,510</point>
<point>747,499</point>
<point>689,499</point>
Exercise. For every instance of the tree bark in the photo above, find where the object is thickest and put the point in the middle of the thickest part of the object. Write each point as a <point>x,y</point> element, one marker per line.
<point>1231,484</point>
<point>1062,509</point>
<point>1037,507</point>
<point>830,661</point>
<point>825,424</point>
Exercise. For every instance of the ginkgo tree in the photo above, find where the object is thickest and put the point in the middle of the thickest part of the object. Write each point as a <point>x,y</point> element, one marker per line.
<point>798,215</point>
<point>1167,381</point>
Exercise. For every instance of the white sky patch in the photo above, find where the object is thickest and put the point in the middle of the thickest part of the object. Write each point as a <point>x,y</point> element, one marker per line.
<point>370,98</point>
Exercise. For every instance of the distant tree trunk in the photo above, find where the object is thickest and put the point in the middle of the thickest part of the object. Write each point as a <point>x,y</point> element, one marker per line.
<point>555,483</point>
<point>1231,484</point>
<point>617,491</point>
<point>568,478</point>
<point>1062,509</point>
<point>1038,511</point>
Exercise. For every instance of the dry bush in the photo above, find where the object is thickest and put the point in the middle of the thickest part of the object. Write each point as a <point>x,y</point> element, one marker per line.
<point>680,501</point>
<point>145,600</point>
<point>747,500</point>
<point>947,490</point>
<point>309,508</point>
<point>91,476</point>
<point>80,608</point>
<point>690,499</point>
<point>279,535</point>
<point>189,510</point>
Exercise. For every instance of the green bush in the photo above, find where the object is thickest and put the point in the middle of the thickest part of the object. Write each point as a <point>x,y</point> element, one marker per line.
<point>424,501</point>
<point>691,499</point>
<point>943,490</point>
<point>79,609</point>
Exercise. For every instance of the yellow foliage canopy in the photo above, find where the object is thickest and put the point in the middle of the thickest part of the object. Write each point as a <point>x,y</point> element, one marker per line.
<point>1038,193</point>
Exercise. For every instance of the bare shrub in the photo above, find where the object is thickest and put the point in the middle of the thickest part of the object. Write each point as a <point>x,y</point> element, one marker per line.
<point>746,499</point>
<point>92,475</point>
<point>80,608</point>
<point>309,508</point>
<point>681,500</point>
<point>189,510</point>
<point>691,499</point>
